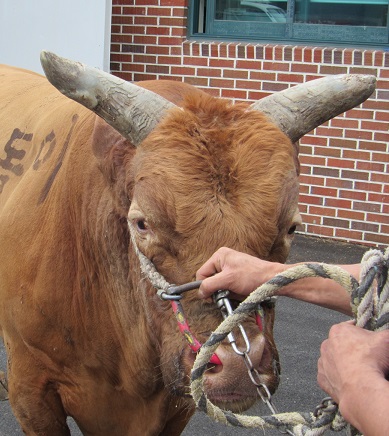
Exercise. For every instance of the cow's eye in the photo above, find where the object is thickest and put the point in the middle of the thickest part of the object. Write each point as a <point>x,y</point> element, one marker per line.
<point>292,230</point>
<point>141,225</point>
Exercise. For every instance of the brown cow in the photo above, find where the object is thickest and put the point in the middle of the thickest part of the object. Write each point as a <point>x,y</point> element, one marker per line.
<point>86,334</point>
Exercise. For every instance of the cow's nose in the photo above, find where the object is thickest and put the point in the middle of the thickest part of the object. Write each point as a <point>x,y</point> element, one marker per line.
<point>232,362</point>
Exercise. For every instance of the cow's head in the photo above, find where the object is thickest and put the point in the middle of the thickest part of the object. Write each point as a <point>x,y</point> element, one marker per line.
<point>205,174</point>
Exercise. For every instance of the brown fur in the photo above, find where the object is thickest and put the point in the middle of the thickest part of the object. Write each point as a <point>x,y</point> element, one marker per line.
<point>85,334</point>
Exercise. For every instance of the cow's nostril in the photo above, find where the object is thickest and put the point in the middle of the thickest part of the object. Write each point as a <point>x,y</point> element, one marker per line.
<point>214,369</point>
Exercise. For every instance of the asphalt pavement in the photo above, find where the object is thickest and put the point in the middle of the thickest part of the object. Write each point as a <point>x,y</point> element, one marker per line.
<point>299,330</point>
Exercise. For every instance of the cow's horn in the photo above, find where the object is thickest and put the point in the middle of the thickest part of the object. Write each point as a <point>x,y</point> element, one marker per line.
<point>131,110</point>
<point>300,109</point>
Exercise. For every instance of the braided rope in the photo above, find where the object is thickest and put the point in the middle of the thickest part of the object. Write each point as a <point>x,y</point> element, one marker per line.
<point>147,267</point>
<point>370,308</point>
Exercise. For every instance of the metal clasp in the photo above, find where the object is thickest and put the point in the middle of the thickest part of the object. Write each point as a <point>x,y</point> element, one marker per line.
<point>223,303</point>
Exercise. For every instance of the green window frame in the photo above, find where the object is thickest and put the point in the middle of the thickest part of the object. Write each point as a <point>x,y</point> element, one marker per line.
<point>205,21</point>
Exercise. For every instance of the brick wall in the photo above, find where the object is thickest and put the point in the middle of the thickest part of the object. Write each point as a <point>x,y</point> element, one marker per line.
<point>345,162</point>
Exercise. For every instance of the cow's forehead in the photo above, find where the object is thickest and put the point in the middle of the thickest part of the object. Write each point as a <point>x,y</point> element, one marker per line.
<point>219,145</point>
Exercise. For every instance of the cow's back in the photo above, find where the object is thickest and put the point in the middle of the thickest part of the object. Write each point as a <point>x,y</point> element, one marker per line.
<point>45,140</point>
<point>35,122</point>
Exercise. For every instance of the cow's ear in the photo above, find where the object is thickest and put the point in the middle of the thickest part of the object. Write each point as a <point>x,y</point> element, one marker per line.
<point>105,139</point>
<point>112,151</point>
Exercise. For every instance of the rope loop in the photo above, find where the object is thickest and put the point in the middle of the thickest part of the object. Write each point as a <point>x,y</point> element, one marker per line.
<point>370,306</point>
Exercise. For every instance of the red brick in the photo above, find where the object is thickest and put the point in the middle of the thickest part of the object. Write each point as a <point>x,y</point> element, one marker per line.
<point>145,20</point>
<point>249,65</point>
<point>375,125</point>
<point>247,84</point>
<point>382,116</point>
<point>221,83</point>
<point>209,72</point>
<point>234,93</point>
<point>196,81</point>
<point>275,66</point>
<point>262,76</point>
<point>138,68</point>
<point>339,183</point>
<point>321,231</point>
<point>324,191</point>
<point>138,77</point>
<point>350,214</point>
<point>147,2</point>
<point>145,39</point>
<point>367,206</point>
<point>336,222</point>
<point>257,95</point>
<point>222,63</point>
<point>368,186</point>
<point>290,78</point>
<point>348,234</point>
<point>378,218</point>
<point>309,199</point>
<point>381,239</point>
<point>166,40</point>
<point>311,180</point>
<point>359,134</point>
<point>178,31</point>
<point>179,12</point>
<point>184,71</point>
<point>329,131</point>
<point>274,86</point>
<point>134,11</point>
<point>380,136</point>
<point>378,198</point>
<point>312,219</point>
<point>380,178</point>
<point>304,68</point>
<point>164,12</point>
<point>172,21</point>
<point>327,151</point>
<point>332,69</point>
<point>188,60</point>
<point>314,140</point>
<point>235,74</point>
<point>313,160</point>
<point>145,59</point>
<point>158,69</point>
<point>344,123</point>
<point>353,195</point>
<point>371,166</point>
<point>338,203</point>
<point>169,60</point>
<point>322,211</point>
<point>365,227</point>
<point>374,146</point>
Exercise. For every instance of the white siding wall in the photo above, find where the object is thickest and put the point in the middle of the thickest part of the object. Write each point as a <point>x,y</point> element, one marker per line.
<point>76,29</point>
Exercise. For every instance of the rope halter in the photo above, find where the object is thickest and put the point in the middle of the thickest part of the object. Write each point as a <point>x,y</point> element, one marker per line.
<point>370,306</point>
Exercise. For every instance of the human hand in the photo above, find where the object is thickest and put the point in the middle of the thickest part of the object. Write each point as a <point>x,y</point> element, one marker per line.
<point>349,356</point>
<point>238,272</point>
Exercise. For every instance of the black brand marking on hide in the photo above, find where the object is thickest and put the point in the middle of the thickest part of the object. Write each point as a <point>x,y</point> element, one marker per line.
<point>46,189</point>
<point>51,140</point>
<point>13,154</point>
<point>3,181</point>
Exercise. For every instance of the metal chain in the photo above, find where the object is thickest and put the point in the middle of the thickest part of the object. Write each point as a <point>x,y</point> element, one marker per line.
<point>224,304</point>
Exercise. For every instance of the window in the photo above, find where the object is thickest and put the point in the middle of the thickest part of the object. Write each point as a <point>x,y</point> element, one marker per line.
<point>336,22</point>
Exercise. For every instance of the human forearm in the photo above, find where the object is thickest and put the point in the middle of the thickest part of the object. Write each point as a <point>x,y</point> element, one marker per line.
<point>323,292</point>
<point>242,274</point>
<point>351,369</point>
<point>365,404</point>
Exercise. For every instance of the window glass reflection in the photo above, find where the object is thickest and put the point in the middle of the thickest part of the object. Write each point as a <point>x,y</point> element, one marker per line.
<point>345,12</point>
